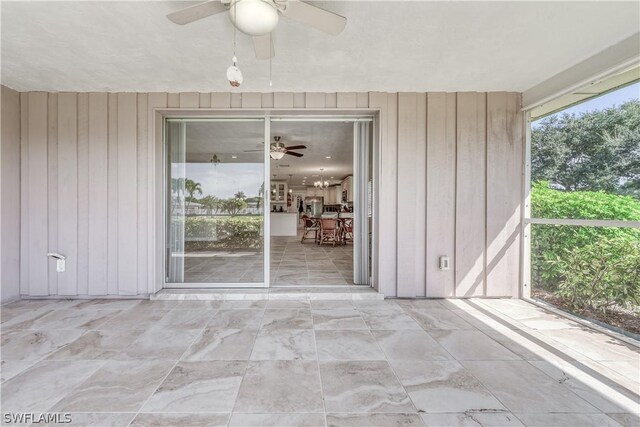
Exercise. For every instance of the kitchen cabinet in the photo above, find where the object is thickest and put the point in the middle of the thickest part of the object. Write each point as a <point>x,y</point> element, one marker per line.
<point>314,192</point>
<point>331,195</point>
<point>335,194</point>
<point>347,185</point>
<point>279,191</point>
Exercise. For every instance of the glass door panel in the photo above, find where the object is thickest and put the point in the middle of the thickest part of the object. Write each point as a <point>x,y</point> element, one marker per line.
<point>216,202</point>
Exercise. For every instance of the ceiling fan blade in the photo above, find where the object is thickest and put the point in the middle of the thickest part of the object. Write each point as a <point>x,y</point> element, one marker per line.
<point>263,46</point>
<point>291,153</point>
<point>252,151</point>
<point>316,17</point>
<point>296,147</point>
<point>196,12</point>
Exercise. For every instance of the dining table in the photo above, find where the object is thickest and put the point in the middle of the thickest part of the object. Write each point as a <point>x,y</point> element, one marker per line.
<point>342,219</point>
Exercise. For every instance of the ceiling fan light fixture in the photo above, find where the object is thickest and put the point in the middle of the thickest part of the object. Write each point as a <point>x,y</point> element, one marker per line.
<point>254,17</point>
<point>277,154</point>
<point>277,150</point>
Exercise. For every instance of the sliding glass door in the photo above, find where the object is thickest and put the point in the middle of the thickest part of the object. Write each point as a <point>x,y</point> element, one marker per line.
<point>215,221</point>
<point>216,173</point>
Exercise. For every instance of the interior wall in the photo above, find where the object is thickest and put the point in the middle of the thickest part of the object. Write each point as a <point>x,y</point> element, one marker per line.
<point>10,196</point>
<point>450,184</point>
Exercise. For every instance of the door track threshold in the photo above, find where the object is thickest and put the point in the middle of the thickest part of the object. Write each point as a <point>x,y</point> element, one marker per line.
<point>281,293</point>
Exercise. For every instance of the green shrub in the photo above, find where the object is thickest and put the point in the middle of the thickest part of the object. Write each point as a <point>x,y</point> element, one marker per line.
<point>585,265</point>
<point>223,232</point>
<point>601,275</point>
<point>549,203</point>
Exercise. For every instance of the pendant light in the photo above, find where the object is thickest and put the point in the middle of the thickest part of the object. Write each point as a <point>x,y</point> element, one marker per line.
<point>322,183</point>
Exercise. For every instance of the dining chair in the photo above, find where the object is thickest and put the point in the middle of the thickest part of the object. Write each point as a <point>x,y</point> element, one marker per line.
<point>310,225</point>
<point>346,231</point>
<point>329,231</point>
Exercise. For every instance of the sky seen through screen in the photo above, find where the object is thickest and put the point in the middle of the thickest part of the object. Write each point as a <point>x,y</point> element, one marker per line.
<point>608,100</point>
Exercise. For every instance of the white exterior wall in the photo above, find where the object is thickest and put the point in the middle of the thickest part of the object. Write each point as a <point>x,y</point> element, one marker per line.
<point>10,193</point>
<point>450,184</point>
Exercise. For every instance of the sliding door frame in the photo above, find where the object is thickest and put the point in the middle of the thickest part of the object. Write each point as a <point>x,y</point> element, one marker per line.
<point>267,115</point>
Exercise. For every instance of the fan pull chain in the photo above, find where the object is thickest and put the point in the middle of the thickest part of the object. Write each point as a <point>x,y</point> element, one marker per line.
<point>234,75</point>
<point>270,58</point>
<point>235,30</point>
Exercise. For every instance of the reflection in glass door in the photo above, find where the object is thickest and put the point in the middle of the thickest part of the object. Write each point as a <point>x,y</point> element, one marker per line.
<point>215,202</point>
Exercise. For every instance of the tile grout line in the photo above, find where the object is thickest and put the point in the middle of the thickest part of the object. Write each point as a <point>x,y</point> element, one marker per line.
<point>567,388</point>
<point>315,344</point>
<point>453,358</point>
<point>235,401</point>
<point>395,374</point>
<point>528,362</point>
<point>403,309</point>
<point>167,375</point>
<point>45,356</point>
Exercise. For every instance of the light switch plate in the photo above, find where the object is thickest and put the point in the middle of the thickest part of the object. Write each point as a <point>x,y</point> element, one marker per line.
<point>443,263</point>
<point>60,265</point>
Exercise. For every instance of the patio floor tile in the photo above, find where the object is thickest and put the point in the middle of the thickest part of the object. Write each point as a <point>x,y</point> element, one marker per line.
<point>525,389</point>
<point>284,344</point>
<point>159,344</point>
<point>339,318</point>
<point>444,387</point>
<point>472,345</point>
<point>198,387</point>
<point>118,386</point>
<point>347,345</point>
<point>42,385</point>
<point>374,420</point>
<point>410,345</point>
<point>287,319</point>
<point>34,345</point>
<point>97,345</point>
<point>222,344</point>
<point>280,386</point>
<point>438,318</point>
<point>180,420</point>
<point>314,362</point>
<point>277,420</point>
<point>363,386</point>
<point>567,420</point>
<point>473,419</point>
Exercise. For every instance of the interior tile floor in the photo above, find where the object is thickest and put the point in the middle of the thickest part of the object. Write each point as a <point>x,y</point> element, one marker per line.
<point>292,264</point>
<point>313,363</point>
<point>224,267</point>
<point>309,264</point>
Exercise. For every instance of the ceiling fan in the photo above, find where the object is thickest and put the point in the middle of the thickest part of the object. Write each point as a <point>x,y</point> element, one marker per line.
<point>277,150</point>
<point>258,18</point>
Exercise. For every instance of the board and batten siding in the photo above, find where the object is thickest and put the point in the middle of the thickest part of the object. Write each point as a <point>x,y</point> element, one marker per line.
<point>450,184</point>
<point>10,196</point>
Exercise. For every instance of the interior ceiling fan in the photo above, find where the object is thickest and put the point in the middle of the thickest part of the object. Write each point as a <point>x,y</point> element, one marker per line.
<point>277,149</point>
<point>258,18</point>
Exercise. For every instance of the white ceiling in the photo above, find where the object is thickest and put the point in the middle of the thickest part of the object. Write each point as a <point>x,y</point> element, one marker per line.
<point>227,139</point>
<point>387,46</point>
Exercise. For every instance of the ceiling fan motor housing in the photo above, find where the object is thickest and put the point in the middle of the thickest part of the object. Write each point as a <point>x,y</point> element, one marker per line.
<point>254,17</point>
